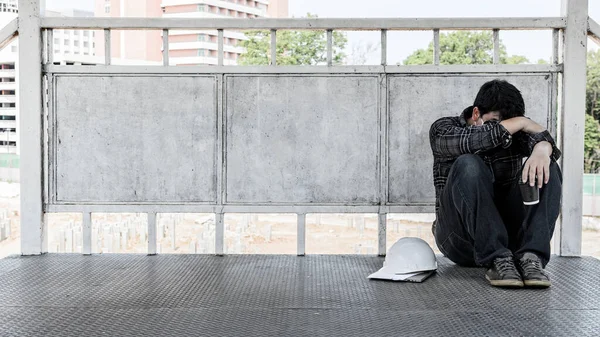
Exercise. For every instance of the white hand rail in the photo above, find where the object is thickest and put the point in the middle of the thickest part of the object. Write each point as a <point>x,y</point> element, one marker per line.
<point>594,30</point>
<point>8,33</point>
<point>306,23</point>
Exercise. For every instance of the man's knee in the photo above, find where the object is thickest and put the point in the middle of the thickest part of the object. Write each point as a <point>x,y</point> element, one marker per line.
<point>470,166</point>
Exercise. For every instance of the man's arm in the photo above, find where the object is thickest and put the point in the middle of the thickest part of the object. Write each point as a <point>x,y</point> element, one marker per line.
<point>516,124</point>
<point>450,141</point>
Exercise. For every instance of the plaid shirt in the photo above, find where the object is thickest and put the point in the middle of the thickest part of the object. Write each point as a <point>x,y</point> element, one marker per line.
<point>451,137</point>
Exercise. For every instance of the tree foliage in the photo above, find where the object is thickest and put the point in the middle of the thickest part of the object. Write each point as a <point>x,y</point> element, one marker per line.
<point>592,145</point>
<point>464,47</point>
<point>308,47</point>
<point>592,127</point>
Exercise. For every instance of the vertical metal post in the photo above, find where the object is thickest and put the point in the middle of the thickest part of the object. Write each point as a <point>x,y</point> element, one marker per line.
<point>496,46</point>
<point>329,47</point>
<point>165,47</point>
<point>87,233</point>
<point>33,227</point>
<point>273,47</point>
<point>151,233</point>
<point>555,43</point>
<point>436,47</point>
<point>49,46</point>
<point>107,47</point>
<point>301,237</point>
<point>220,49</point>
<point>573,124</point>
<point>381,234</point>
<point>384,47</point>
<point>219,233</point>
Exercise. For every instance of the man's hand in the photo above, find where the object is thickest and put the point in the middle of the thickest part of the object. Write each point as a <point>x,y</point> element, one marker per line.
<point>538,165</point>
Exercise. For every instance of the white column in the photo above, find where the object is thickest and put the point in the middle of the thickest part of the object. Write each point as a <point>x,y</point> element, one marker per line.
<point>573,124</point>
<point>33,228</point>
<point>151,233</point>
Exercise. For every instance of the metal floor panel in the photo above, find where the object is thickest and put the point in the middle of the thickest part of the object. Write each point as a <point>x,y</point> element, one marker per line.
<point>256,295</point>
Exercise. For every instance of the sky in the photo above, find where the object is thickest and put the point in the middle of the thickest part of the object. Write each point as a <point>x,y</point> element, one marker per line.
<point>532,44</point>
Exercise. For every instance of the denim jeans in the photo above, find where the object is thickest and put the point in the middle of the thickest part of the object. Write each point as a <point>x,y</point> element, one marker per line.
<point>479,220</point>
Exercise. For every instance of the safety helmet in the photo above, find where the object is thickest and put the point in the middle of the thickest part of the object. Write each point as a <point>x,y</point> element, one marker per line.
<point>407,256</point>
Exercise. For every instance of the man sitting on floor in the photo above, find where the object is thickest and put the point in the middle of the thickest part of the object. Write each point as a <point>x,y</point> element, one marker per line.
<point>480,216</point>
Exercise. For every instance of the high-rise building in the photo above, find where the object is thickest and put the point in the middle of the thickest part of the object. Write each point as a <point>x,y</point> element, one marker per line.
<point>186,47</point>
<point>8,83</point>
<point>139,45</point>
<point>70,46</point>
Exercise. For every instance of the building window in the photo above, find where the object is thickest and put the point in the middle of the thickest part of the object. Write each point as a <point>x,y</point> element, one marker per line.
<point>201,37</point>
<point>56,41</point>
<point>12,105</point>
<point>13,49</point>
<point>76,43</point>
<point>107,9</point>
<point>86,44</point>
<point>201,8</point>
<point>86,33</point>
<point>66,42</point>
<point>200,52</point>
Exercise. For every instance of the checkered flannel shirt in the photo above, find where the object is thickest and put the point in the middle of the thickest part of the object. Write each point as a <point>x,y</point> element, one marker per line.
<point>451,137</point>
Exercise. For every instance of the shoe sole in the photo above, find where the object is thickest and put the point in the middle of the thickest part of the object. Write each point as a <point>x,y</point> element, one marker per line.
<point>537,283</point>
<point>506,283</point>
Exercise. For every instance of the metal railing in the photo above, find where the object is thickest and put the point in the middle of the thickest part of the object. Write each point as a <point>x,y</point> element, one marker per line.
<point>329,25</point>
<point>569,34</point>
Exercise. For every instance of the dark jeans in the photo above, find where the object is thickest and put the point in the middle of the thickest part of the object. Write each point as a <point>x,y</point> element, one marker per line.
<point>478,220</point>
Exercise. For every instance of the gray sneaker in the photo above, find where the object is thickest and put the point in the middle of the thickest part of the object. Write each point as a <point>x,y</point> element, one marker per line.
<point>532,271</point>
<point>504,273</point>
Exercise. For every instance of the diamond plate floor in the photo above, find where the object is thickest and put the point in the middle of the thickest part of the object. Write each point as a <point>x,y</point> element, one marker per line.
<point>197,295</point>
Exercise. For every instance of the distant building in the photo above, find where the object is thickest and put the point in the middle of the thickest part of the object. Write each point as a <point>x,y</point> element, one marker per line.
<point>186,47</point>
<point>70,46</point>
<point>8,84</point>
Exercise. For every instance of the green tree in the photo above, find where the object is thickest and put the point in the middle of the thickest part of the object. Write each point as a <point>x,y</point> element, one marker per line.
<point>592,133</point>
<point>592,145</point>
<point>464,47</point>
<point>307,47</point>
<point>593,84</point>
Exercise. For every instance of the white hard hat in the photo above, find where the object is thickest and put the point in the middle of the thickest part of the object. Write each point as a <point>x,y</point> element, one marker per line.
<point>408,256</point>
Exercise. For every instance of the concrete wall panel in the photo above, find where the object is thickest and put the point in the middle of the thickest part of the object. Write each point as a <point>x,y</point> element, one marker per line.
<point>135,139</point>
<point>302,139</point>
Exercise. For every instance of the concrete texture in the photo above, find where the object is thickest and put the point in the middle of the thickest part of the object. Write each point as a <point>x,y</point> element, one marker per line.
<point>305,139</point>
<point>135,139</point>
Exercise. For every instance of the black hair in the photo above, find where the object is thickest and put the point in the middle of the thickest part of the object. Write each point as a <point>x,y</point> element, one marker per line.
<point>501,96</point>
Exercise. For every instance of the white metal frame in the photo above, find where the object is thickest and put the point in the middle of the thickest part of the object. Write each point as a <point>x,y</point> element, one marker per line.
<point>569,31</point>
